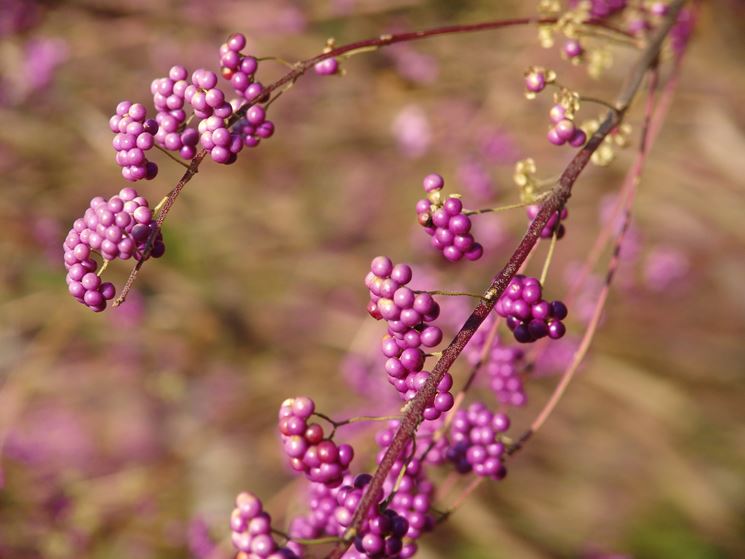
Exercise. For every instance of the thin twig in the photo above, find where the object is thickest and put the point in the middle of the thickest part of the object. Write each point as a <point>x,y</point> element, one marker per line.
<point>299,69</point>
<point>584,346</point>
<point>555,201</point>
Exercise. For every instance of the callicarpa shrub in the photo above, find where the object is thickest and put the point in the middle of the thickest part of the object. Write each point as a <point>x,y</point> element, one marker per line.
<point>221,113</point>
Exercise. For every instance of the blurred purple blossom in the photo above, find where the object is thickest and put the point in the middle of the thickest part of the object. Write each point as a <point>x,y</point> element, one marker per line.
<point>664,267</point>
<point>412,131</point>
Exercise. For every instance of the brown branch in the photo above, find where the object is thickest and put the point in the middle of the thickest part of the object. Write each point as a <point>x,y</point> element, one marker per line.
<point>579,355</point>
<point>301,68</point>
<point>556,200</point>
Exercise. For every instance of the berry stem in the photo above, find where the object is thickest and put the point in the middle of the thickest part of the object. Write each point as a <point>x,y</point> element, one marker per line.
<point>613,35</point>
<point>460,499</point>
<point>597,101</point>
<point>549,256</point>
<point>287,63</point>
<point>360,50</point>
<point>157,208</point>
<point>336,424</point>
<point>303,541</point>
<point>553,203</point>
<point>449,293</point>
<point>299,69</point>
<point>103,268</point>
<point>171,156</point>
<point>509,207</point>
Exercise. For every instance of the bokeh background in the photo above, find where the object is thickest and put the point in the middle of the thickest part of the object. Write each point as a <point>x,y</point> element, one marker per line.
<point>127,434</point>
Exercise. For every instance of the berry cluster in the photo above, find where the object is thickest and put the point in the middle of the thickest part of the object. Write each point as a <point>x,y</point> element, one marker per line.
<point>253,127</point>
<point>251,531</point>
<point>382,531</point>
<point>239,68</point>
<point>115,228</point>
<point>528,316</point>
<point>320,520</point>
<point>502,363</point>
<point>320,459</point>
<point>414,492</point>
<point>169,97</point>
<point>425,436</point>
<point>503,368</point>
<point>134,136</point>
<point>446,222</point>
<point>215,132</point>
<point>564,129</point>
<point>408,315</point>
<point>476,443</point>
<point>553,223</point>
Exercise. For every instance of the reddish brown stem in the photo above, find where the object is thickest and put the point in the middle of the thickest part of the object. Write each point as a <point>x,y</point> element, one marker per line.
<point>555,202</point>
<point>300,69</point>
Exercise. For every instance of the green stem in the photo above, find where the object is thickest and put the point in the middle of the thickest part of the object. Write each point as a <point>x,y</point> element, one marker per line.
<point>169,154</point>
<point>503,208</point>
<point>549,256</point>
<point>450,293</point>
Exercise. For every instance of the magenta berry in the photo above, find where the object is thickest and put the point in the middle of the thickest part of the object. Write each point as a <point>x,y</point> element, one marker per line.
<point>327,67</point>
<point>535,80</point>
<point>573,49</point>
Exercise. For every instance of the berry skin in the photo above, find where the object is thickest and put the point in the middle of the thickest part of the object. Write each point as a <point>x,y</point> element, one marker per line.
<point>529,317</point>
<point>573,49</point>
<point>327,67</point>
<point>446,222</point>
<point>536,79</point>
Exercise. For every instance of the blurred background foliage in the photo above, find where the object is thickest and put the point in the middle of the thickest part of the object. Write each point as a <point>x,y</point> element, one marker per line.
<point>128,434</point>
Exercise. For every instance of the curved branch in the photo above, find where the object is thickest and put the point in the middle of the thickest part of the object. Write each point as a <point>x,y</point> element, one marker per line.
<point>301,68</point>
<point>555,201</point>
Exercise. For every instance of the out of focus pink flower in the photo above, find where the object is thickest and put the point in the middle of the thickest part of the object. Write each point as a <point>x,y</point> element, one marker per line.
<point>412,131</point>
<point>664,267</point>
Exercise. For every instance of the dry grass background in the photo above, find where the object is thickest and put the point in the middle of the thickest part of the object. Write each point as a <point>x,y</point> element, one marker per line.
<point>120,431</point>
